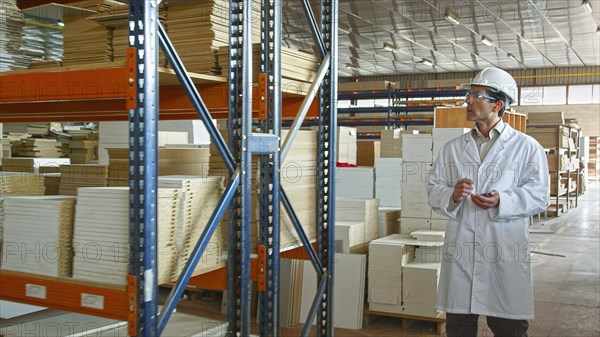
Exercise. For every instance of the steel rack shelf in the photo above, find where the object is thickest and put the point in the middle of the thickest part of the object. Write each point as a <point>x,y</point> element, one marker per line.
<point>131,92</point>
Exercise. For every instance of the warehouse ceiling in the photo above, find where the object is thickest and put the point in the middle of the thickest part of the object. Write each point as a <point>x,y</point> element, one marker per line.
<point>385,37</point>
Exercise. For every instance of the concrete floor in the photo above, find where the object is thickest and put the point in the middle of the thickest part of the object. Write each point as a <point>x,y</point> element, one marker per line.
<point>567,289</point>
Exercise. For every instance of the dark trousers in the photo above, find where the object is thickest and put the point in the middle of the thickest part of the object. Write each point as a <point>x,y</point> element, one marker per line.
<point>465,325</point>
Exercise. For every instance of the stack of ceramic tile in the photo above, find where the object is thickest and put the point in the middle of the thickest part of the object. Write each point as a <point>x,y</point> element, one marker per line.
<point>169,205</point>
<point>429,252</point>
<point>355,182</point>
<point>297,67</point>
<point>349,236</point>
<point>349,290</point>
<point>291,291</point>
<point>197,29</point>
<point>550,137</point>
<point>428,235</point>
<point>11,29</point>
<point>83,151</point>
<point>414,194</point>
<point>171,161</point>
<point>87,41</point>
<point>346,145</point>
<point>298,173</point>
<point>554,118</point>
<point>81,175</point>
<point>101,235</point>
<point>33,165</point>
<point>359,210</point>
<point>51,183</point>
<point>37,234</point>
<point>388,221</point>
<point>19,183</point>
<point>417,148</point>
<point>1,226</point>
<point>420,285</point>
<point>47,148</point>
<point>199,197</point>
<point>443,135</point>
<point>388,182</point>
<point>391,142</point>
<point>387,255</point>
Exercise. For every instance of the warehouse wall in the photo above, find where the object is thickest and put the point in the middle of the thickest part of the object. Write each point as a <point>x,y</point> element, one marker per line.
<point>587,115</point>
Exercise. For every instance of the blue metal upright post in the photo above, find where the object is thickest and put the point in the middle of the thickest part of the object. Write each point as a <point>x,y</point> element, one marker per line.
<point>269,227</point>
<point>326,165</point>
<point>143,121</point>
<point>239,125</point>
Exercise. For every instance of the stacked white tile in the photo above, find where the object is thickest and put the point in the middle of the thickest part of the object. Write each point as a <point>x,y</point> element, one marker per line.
<point>346,145</point>
<point>199,197</point>
<point>37,234</point>
<point>416,213</point>
<point>359,210</point>
<point>168,215</point>
<point>420,285</point>
<point>101,235</point>
<point>349,290</point>
<point>428,235</point>
<point>391,144</point>
<point>116,135</point>
<point>417,148</point>
<point>388,221</point>
<point>347,235</point>
<point>20,183</point>
<point>443,135</point>
<point>387,255</point>
<point>388,181</point>
<point>355,182</point>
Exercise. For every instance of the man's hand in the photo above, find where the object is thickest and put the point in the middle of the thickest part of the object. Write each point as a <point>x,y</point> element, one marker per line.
<point>462,188</point>
<point>486,201</point>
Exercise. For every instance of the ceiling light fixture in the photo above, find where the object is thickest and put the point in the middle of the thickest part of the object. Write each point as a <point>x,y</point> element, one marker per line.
<point>587,6</point>
<point>343,28</point>
<point>486,40</point>
<point>426,62</point>
<point>389,47</point>
<point>451,17</point>
<point>512,57</point>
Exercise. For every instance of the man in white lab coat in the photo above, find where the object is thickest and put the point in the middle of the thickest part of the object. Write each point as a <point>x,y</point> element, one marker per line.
<point>488,182</point>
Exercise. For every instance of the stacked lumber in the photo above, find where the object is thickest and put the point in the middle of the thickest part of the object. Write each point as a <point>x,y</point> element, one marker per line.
<point>75,176</point>
<point>19,183</point>
<point>51,183</point>
<point>101,239</point>
<point>26,129</point>
<point>37,234</point>
<point>34,147</point>
<point>199,197</point>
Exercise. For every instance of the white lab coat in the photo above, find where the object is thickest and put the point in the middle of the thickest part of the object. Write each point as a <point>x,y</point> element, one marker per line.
<point>486,267</point>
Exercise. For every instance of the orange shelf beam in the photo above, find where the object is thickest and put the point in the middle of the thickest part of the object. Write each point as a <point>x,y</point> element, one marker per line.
<point>100,95</point>
<point>65,294</point>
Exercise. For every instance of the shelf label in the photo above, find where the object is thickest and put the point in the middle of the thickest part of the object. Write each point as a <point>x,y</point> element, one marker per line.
<point>34,290</point>
<point>92,301</point>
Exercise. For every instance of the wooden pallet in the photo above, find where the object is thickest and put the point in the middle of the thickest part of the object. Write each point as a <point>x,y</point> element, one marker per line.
<point>440,320</point>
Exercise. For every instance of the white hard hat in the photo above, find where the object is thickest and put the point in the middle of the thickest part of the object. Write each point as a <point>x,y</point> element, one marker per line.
<point>498,80</point>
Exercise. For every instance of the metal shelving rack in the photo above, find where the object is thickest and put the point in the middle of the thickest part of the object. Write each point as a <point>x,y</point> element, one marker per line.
<point>399,106</point>
<point>138,302</point>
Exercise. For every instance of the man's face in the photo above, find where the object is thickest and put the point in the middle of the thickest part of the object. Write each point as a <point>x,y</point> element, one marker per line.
<point>480,108</point>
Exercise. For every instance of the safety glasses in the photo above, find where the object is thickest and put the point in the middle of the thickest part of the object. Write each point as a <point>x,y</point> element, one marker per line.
<point>478,96</point>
